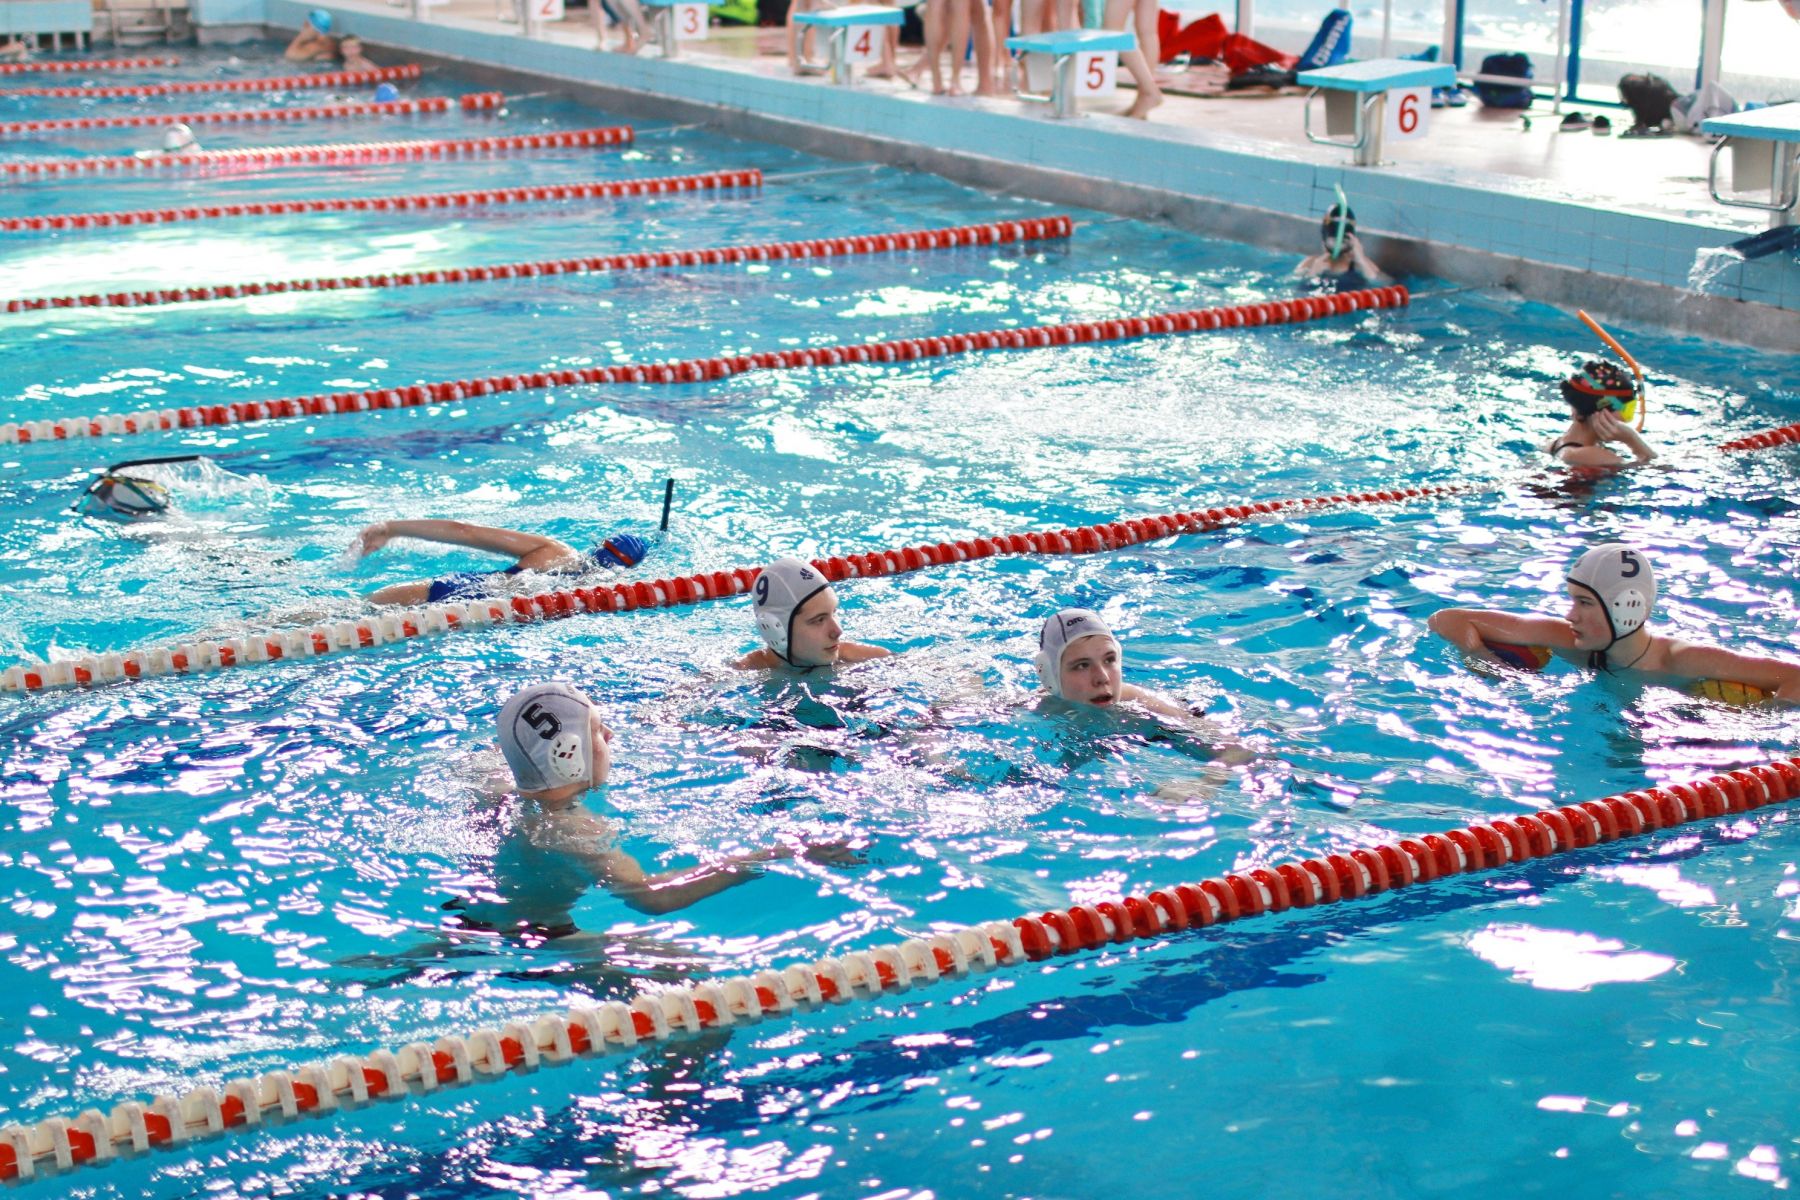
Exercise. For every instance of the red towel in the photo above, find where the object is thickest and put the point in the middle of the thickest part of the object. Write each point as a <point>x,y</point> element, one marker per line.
<point>1208,38</point>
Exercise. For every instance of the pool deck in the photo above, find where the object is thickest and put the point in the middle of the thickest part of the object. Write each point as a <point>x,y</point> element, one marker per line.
<point>1575,219</point>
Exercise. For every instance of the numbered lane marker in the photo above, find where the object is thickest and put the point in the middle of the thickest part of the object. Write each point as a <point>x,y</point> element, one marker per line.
<point>1097,72</point>
<point>864,45</point>
<point>1406,110</point>
<point>690,22</point>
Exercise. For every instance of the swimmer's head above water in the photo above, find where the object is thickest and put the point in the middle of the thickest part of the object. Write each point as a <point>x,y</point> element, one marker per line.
<point>554,741</point>
<point>1599,384</point>
<point>1335,230</point>
<point>1079,659</point>
<point>1611,592</point>
<point>796,614</point>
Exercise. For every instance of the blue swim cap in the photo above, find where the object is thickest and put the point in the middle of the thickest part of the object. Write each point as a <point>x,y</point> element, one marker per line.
<point>320,20</point>
<point>386,92</point>
<point>621,550</point>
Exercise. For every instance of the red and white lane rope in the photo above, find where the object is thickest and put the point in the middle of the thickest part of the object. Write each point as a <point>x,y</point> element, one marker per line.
<point>329,155</point>
<point>1787,435</point>
<point>471,102</point>
<point>286,83</point>
<point>1274,312</point>
<point>188,658</point>
<point>997,233</point>
<point>351,1081</point>
<point>540,194</point>
<point>66,66</point>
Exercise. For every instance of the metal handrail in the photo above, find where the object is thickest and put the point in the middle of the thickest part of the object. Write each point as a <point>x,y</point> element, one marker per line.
<point>1784,201</point>
<point>1361,124</point>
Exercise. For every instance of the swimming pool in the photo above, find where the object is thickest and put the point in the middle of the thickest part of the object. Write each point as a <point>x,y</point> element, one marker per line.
<point>221,875</point>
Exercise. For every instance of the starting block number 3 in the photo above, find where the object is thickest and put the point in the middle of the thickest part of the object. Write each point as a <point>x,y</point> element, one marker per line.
<point>1097,72</point>
<point>1406,112</point>
<point>864,44</point>
<point>690,22</point>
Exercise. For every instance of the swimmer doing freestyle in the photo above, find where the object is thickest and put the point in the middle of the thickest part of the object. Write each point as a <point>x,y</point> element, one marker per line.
<point>1612,591</point>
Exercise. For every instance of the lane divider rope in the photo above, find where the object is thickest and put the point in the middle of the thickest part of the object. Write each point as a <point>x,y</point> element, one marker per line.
<point>538,194</point>
<point>330,154</point>
<point>285,83</point>
<point>1787,435</point>
<point>51,66</point>
<point>1273,312</point>
<point>470,102</point>
<point>399,625</point>
<point>998,233</point>
<point>350,1081</point>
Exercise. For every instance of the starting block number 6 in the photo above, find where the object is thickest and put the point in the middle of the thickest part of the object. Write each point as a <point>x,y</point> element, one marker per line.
<point>1097,72</point>
<point>863,45</point>
<point>1406,112</point>
<point>690,22</point>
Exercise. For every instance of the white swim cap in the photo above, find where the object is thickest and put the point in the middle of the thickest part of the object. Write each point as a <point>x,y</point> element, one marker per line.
<point>780,590</point>
<point>1620,578</point>
<point>545,731</point>
<point>1059,632</point>
<point>177,137</point>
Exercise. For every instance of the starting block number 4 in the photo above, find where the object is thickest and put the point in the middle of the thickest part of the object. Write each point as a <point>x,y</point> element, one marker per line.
<point>690,22</point>
<point>1097,72</point>
<point>1406,113</point>
<point>864,44</point>
<point>547,10</point>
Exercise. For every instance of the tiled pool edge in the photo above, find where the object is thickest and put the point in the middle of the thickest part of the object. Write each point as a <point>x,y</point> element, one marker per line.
<point>1625,266</point>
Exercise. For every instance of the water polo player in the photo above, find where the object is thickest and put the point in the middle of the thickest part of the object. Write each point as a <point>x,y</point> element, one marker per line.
<point>1612,590</point>
<point>797,617</point>
<point>529,551</point>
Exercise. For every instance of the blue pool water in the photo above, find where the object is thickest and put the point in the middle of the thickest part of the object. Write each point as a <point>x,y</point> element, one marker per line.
<point>223,875</point>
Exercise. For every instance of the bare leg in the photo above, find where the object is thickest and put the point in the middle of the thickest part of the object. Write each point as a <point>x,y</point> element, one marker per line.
<point>1149,40</point>
<point>959,41</point>
<point>1003,63</point>
<point>936,27</point>
<point>1118,13</point>
<point>401,593</point>
<point>981,27</point>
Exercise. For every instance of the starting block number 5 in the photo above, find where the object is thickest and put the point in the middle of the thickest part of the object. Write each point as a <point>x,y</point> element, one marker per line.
<point>1097,72</point>
<point>863,45</point>
<point>690,22</point>
<point>1406,112</point>
<point>547,10</point>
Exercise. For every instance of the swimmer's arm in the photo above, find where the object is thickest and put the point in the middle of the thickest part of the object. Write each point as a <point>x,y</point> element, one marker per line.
<point>1360,259</point>
<point>1609,426</point>
<point>624,876</point>
<point>1223,749</point>
<point>1589,456</point>
<point>854,652</point>
<point>1313,264</point>
<point>1780,679</point>
<point>1470,629</point>
<point>531,550</point>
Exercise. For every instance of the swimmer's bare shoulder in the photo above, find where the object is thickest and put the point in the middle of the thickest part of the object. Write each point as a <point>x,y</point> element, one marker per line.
<point>765,659</point>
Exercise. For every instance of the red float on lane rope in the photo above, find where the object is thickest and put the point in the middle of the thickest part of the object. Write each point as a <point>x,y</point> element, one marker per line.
<point>681,372</point>
<point>286,83</point>
<point>473,102</point>
<point>1034,229</point>
<point>339,154</point>
<point>73,66</point>
<point>711,181</point>
<point>1787,435</point>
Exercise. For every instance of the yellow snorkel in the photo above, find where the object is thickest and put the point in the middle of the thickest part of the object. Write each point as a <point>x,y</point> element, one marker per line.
<point>1638,405</point>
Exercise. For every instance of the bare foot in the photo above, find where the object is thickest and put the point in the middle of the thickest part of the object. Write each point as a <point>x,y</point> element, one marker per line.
<point>1145,102</point>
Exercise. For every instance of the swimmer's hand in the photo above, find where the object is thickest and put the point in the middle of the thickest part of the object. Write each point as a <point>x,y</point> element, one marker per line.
<point>1608,426</point>
<point>371,539</point>
<point>829,854</point>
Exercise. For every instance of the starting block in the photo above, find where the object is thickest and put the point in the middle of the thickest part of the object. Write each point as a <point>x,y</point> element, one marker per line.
<point>1374,100</point>
<point>854,33</point>
<point>675,21</point>
<point>1063,66</point>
